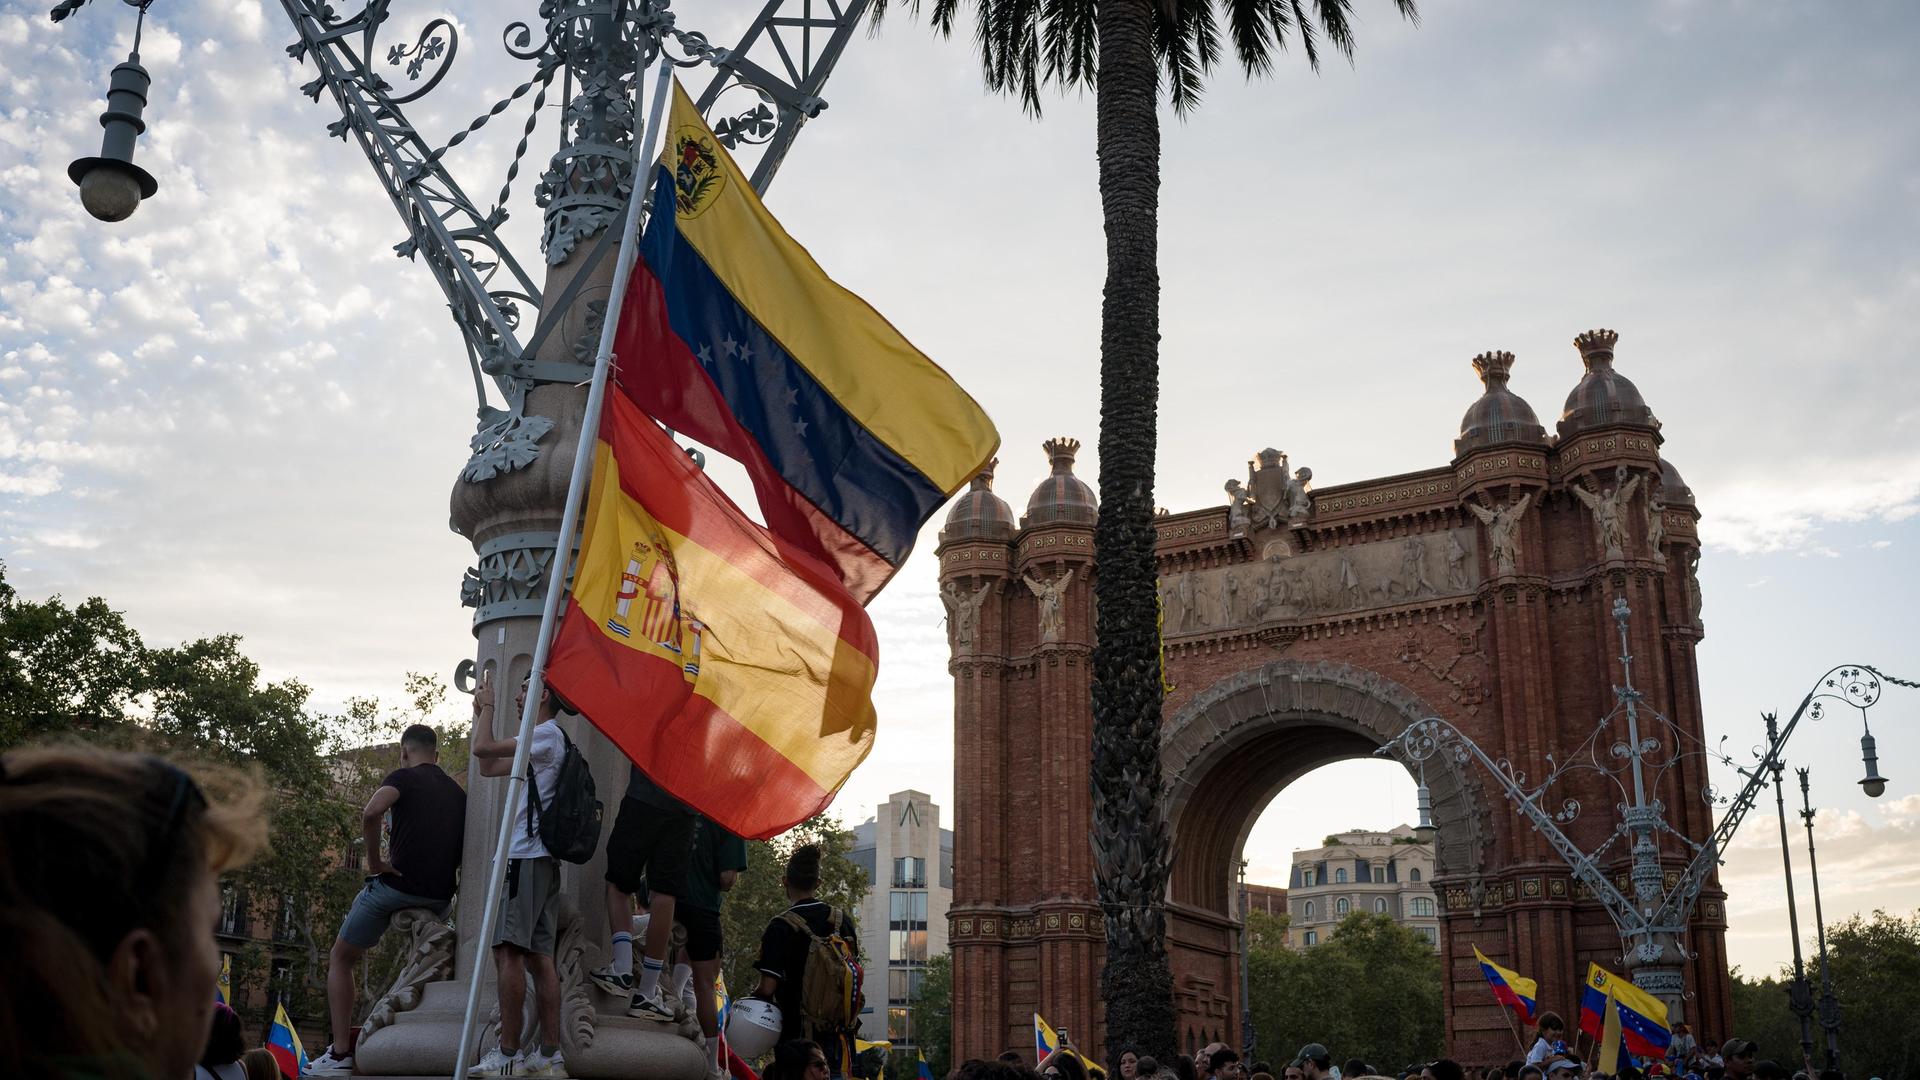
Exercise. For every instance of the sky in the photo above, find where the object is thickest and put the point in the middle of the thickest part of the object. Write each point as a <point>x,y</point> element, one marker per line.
<point>240,412</point>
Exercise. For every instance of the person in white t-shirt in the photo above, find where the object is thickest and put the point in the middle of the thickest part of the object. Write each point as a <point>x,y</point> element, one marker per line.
<point>1550,1043</point>
<point>524,942</point>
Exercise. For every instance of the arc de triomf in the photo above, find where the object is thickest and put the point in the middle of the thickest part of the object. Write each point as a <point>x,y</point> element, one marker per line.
<point>1304,626</point>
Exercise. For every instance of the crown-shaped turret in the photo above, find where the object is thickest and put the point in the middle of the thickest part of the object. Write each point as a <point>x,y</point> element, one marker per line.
<point>1500,416</point>
<point>1604,397</point>
<point>1062,496</point>
<point>979,514</point>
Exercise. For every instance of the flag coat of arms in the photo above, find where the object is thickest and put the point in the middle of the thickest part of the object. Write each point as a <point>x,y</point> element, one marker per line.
<point>732,335</point>
<point>732,667</point>
<point>1620,1015</point>
<point>1509,987</point>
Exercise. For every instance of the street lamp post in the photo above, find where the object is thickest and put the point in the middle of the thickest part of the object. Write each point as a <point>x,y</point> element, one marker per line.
<point>111,185</point>
<point>1799,994</point>
<point>1652,922</point>
<point>1829,1005</point>
<point>1246,982</point>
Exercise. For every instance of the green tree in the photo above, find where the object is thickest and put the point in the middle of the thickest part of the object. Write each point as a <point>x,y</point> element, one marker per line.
<point>1121,48</point>
<point>1371,990</point>
<point>933,1014</point>
<point>759,895</point>
<point>1876,978</point>
<point>81,672</point>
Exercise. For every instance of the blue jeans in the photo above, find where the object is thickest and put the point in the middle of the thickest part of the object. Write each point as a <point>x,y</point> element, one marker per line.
<point>374,909</point>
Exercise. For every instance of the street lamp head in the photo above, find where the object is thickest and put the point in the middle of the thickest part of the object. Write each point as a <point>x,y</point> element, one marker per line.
<point>1873,783</point>
<point>1424,831</point>
<point>111,185</point>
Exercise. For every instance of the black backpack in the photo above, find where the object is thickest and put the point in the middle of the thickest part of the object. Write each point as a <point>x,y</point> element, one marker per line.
<point>569,825</point>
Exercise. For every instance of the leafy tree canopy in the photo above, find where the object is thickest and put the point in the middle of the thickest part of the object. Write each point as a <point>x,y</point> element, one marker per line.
<point>1876,979</point>
<point>1371,990</point>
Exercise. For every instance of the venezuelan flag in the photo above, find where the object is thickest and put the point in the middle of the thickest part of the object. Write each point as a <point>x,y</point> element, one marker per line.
<point>223,986</point>
<point>1509,988</point>
<point>1045,1040</point>
<point>732,667</point>
<point>1641,1017</point>
<point>926,1071</point>
<point>284,1044</point>
<point>731,334</point>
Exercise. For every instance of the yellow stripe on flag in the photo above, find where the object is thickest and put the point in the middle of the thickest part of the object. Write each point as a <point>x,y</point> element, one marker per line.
<point>885,384</point>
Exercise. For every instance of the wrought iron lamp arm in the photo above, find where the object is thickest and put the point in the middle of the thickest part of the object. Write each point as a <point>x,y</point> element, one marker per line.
<point>1430,736</point>
<point>1842,683</point>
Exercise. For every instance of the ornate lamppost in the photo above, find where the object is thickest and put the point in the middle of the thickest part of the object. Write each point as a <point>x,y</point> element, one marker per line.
<point>1247,1040</point>
<point>1652,921</point>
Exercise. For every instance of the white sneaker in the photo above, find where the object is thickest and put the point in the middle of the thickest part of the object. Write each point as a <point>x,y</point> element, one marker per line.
<point>330,1064</point>
<point>539,1064</point>
<point>612,981</point>
<point>496,1063</point>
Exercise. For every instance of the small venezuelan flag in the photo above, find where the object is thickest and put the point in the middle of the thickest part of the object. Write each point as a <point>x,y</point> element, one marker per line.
<point>223,986</point>
<point>732,667</point>
<point>732,335</point>
<point>926,1071</point>
<point>1509,988</point>
<point>1045,1040</point>
<point>284,1044</point>
<point>1593,1002</point>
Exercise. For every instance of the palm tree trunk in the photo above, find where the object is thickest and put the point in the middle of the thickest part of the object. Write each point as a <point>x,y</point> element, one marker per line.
<point>1130,834</point>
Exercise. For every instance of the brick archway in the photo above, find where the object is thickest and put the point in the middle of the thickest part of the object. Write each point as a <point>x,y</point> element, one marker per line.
<point>1477,591</point>
<point>1230,750</point>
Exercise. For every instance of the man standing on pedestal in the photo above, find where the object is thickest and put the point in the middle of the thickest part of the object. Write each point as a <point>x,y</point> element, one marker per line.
<point>429,818</point>
<point>529,913</point>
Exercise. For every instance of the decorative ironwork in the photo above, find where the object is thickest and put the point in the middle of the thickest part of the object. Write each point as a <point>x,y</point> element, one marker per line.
<point>1653,919</point>
<point>511,580</point>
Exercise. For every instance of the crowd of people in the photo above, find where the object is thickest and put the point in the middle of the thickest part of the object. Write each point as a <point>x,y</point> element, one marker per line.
<point>109,871</point>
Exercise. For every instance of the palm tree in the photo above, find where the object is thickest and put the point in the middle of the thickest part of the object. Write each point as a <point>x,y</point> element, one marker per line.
<point>1121,48</point>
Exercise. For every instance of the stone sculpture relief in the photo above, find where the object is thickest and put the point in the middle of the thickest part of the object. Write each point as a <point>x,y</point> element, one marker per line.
<point>1657,524</point>
<point>429,958</point>
<point>1275,498</point>
<point>1503,531</point>
<point>1609,511</point>
<point>1693,587</point>
<point>1053,612</point>
<point>963,614</point>
<point>1238,499</point>
<point>1317,583</point>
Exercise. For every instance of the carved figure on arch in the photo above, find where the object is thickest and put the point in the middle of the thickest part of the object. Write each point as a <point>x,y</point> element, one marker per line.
<point>1608,506</point>
<point>1053,612</point>
<point>1456,562</point>
<point>1657,524</point>
<point>1271,488</point>
<point>1413,568</point>
<point>963,613</point>
<point>1503,530</point>
<point>1238,499</point>
<point>1300,493</point>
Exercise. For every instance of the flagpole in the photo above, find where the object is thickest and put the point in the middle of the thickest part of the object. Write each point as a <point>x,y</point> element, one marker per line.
<point>563,547</point>
<point>1511,1026</point>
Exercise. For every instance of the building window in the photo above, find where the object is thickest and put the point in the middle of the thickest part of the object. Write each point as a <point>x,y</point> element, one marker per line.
<point>1423,907</point>
<point>1341,907</point>
<point>1311,938</point>
<point>899,1026</point>
<point>1309,911</point>
<point>1380,905</point>
<point>233,913</point>
<point>907,946</point>
<point>279,982</point>
<point>1340,876</point>
<point>354,858</point>
<point>909,873</point>
<point>903,985</point>
<point>907,927</point>
<point>1428,932</point>
<point>1306,878</point>
<point>288,928</point>
<point>1416,874</point>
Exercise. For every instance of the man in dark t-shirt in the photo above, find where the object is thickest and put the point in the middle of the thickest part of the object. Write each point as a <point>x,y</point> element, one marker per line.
<point>783,956</point>
<point>429,811</point>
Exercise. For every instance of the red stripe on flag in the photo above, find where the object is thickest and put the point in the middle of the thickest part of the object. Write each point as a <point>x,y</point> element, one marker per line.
<point>283,1057</point>
<point>677,494</point>
<point>675,388</point>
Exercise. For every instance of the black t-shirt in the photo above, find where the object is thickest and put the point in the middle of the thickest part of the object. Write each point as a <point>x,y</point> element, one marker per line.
<point>429,821</point>
<point>783,955</point>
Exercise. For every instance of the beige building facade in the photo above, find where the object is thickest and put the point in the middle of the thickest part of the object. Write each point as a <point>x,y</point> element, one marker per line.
<point>1384,873</point>
<point>908,858</point>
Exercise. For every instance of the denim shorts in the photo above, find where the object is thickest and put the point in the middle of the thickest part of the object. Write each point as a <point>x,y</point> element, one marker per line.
<point>374,909</point>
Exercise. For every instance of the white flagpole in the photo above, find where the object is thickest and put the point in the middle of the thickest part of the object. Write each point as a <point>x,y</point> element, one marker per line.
<point>562,554</point>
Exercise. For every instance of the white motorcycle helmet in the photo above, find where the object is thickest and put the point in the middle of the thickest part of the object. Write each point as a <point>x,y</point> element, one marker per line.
<point>753,1026</point>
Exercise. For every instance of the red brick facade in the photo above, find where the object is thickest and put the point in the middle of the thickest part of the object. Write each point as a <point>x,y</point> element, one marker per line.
<point>1299,641</point>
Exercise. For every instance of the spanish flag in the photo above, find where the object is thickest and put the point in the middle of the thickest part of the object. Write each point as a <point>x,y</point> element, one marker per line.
<point>732,335</point>
<point>1509,987</point>
<point>732,667</point>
